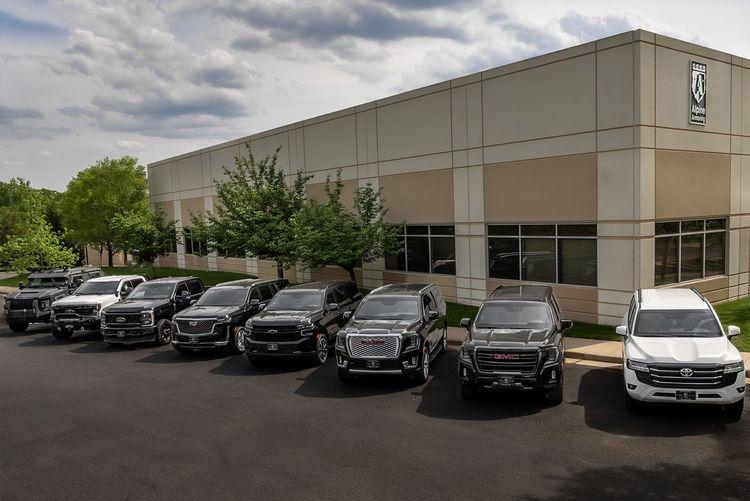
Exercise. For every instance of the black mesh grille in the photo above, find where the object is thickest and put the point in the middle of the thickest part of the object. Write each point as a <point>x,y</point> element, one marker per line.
<point>21,304</point>
<point>201,326</point>
<point>272,334</point>
<point>112,319</point>
<point>507,361</point>
<point>73,311</point>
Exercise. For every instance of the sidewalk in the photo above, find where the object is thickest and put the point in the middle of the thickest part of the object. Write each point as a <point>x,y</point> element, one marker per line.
<point>583,349</point>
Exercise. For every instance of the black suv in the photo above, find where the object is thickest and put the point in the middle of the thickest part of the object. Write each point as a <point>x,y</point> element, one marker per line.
<point>147,312</point>
<point>397,329</point>
<point>301,320</point>
<point>32,303</point>
<point>515,342</point>
<point>218,318</point>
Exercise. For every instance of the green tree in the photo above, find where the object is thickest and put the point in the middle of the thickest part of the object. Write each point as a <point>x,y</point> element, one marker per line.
<point>99,193</point>
<point>147,236</point>
<point>327,233</point>
<point>254,211</point>
<point>18,205</point>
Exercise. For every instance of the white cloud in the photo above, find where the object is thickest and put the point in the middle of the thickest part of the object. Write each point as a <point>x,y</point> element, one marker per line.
<point>126,145</point>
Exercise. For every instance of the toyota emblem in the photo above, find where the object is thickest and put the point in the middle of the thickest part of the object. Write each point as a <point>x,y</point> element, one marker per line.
<point>686,372</point>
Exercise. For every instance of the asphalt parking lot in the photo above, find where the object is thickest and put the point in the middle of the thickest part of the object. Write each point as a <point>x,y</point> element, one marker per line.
<point>81,420</point>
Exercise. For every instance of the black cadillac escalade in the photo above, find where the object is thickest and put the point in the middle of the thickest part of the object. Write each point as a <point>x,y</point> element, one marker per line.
<point>217,320</point>
<point>33,301</point>
<point>515,342</point>
<point>397,329</point>
<point>146,314</point>
<point>301,321</point>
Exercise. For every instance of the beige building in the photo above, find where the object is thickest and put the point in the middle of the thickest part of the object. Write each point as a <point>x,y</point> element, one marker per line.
<point>580,168</point>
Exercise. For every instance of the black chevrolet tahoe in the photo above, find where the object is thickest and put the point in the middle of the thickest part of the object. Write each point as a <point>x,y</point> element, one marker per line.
<point>32,303</point>
<point>217,320</point>
<point>397,329</point>
<point>146,314</point>
<point>301,321</point>
<point>515,342</point>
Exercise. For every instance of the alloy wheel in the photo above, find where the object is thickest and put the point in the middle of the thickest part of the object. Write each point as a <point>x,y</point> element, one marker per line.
<point>426,363</point>
<point>239,339</point>
<point>166,334</point>
<point>322,349</point>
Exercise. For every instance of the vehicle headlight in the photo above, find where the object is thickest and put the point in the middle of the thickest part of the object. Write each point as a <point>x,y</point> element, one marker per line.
<point>411,341</point>
<point>101,322</point>
<point>341,341</point>
<point>635,365</point>
<point>734,367</point>
<point>147,318</point>
<point>550,355</point>
<point>466,353</point>
<point>43,304</point>
<point>306,327</point>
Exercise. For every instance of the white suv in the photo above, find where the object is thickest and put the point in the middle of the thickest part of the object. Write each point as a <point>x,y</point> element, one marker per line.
<point>675,350</point>
<point>82,309</point>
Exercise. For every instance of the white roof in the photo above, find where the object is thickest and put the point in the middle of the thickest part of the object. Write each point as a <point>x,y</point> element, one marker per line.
<point>672,299</point>
<point>113,278</point>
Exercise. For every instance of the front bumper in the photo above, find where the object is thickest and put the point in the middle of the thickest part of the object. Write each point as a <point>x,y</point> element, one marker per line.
<point>645,393</point>
<point>207,341</point>
<point>549,376</point>
<point>28,315</point>
<point>76,324</point>
<point>303,347</point>
<point>130,335</point>
<point>405,365</point>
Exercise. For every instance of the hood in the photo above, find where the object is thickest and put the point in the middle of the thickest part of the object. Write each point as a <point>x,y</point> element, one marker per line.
<point>208,312</point>
<point>379,326</point>
<point>282,317</point>
<point>136,305</point>
<point>509,338</point>
<point>33,293</point>
<point>87,299</point>
<point>709,350</point>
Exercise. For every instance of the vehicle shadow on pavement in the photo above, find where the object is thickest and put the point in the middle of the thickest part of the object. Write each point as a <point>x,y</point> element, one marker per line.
<point>628,482</point>
<point>441,398</point>
<point>42,339</point>
<point>7,333</point>
<point>324,382</point>
<point>602,396</point>
<point>238,365</point>
<point>168,355</point>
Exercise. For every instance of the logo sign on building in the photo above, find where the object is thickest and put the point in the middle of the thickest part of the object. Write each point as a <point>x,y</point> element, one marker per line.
<point>697,93</point>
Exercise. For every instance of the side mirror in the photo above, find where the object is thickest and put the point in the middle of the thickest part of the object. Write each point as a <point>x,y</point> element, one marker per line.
<point>566,324</point>
<point>622,330</point>
<point>433,315</point>
<point>332,306</point>
<point>733,330</point>
<point>465,322</point>
<point>262,307</point>
<point>21,285</point>
<point>254,303</point>
<point>193,301</point>
<point>124,294</point>
<point>347,315</point>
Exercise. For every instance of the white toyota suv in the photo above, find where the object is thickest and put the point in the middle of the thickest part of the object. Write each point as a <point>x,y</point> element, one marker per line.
<point>675,350</point>
<point>82,309</point>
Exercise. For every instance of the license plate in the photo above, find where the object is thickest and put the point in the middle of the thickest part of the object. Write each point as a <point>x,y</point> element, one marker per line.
<point>194,339</point>
<point>505,380</point>
<point>273,347</point>
<point>685,395</point>
<point>373,364</point>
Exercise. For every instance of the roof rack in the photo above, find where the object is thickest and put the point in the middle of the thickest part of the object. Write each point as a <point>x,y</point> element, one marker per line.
<point>703,298</point>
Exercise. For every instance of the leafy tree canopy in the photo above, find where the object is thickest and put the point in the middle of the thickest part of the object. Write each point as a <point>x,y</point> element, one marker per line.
<point>146,235</point>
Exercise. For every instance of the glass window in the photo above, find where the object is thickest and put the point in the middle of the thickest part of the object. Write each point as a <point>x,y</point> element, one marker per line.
<point>503,257</point>
<point>296,300</point>
<point>533,315</point>
<point>716,224</point>
<point>443,255</point>
<point>265,293</point>
<point>152,290</point>
<point>254,294</point>
<point>691,257</point>
<point>691,226</point>
<point>576,230</point>
<point>187,235</point>
<point>397,261</point>
<point>502,229</point>
<point>577,261</point>
<point>425,249</point>
<point>195,286</point>
<point>418,254</point>
<point>401,308</point>
<point>668,228</point>
<point>695,249</point>
<point>715,253</point>
<point>442,230</point>
<point>538,260</point>
<point>538,230</point>
<point>676,323</point>
<point>94,288</point>
<point>417,230</point>
<point>223,296</point>
<point>666,255</point>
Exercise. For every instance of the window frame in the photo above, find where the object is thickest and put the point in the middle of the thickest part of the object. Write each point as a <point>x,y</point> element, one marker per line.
<point>519,237</point>
<point>703,233</point>
<point>404,235</point>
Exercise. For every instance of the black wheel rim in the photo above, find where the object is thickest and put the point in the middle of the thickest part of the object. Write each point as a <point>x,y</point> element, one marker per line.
<point>322,349</point>
<point>166,334</point>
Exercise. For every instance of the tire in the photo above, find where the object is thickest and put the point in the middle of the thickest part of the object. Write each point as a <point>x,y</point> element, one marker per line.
<point>163,333</point>
<point>423,374</point>
<point>321,350</point>
<point>237,341</point>
<point>445,340</point>
<point>345,377</point>
<point>631,404</point>
<point>18,326</point>
<point>734,411</point>
<point>555,395</point>
<point>469,391</point>
<point>61,334</point>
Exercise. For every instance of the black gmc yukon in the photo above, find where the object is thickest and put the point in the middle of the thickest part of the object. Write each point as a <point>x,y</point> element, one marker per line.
<point>301,321</point>
<point>217,320</point>
<point>146,314</point>
<point>32,303</point>
<point>397,329</point>
<point>515,342</point>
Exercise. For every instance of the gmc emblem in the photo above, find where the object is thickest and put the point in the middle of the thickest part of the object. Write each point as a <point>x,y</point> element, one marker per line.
<point>373,342</point>
<point>505,356</point>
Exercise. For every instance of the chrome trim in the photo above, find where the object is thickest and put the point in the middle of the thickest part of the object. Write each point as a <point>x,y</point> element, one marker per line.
<point>213,325</point>
<point>373,371</point>
<point>360,355</point>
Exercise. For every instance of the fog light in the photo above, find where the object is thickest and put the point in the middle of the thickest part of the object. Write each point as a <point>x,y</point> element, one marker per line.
<point>631,386</point>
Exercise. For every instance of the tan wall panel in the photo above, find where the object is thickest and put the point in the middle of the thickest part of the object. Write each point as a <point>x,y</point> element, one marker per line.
<point>549,189</point>
<point>223,158</point>
<point>746,102</point>
<point>614,87</point>
<point>550,100</point>
<point>317,191</point>
<point>331,144</point>
<point>188,205</point>
<point>160,179</point>
<point>334,273</point>
<point>691,184</point>
<point>189,173</point>
<point>167,207</point>
<point>169,261</point>
<point>234,264</point>
<point>267,269</point>
<point>193,262</point>
<point>420,197</point>
<point>267,145</point>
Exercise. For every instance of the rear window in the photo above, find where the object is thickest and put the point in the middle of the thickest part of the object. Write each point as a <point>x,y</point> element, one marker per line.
<point>676,323</point>
<point>531,315</point>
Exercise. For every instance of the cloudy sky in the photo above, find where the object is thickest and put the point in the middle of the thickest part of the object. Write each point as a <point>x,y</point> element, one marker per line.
<point>81,80</point>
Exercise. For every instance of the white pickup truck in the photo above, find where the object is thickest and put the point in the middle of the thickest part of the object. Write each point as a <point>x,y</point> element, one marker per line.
<point>675,350</point>
<point>81,310</point>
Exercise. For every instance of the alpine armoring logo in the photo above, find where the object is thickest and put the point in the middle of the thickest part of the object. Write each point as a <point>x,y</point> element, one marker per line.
<point>698,92</point>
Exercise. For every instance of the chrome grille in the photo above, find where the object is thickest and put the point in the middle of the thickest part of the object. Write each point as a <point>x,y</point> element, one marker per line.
<point>196,326</point>
<point>702,376</point>
<point>73,311</point>
<point>374,345</point>
<point>21,304</point>
<point>507,361</point>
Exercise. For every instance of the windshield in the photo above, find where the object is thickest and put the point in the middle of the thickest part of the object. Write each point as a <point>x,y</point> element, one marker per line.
<point>41,281</point>
<point>296,300</point>
<point>151,290</point>
<point>514,315</point>
<point>223,297</point>
<point>401,308</point>
<point>108,287</point>
<point>676,323</point>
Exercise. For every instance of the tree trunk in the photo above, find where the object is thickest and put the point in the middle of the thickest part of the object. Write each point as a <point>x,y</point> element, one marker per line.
<point>125,257</point>
<point>110,254</point>
<point>279,270</point>
<point>350,270</point>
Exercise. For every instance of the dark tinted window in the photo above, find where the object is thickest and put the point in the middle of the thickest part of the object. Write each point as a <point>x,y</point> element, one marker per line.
<point>577,261</point>
<point>676,323</point>
<point>265,293</point>
<point>182,288</point>
<point>503,258</point>
<point>195,286</point>
<point>255,294</point>
<point>715,258</point>
<point>401,308</point>
<point>539,260</point>
<point>223,296</point>
<point>443,252</point>
<point>691,258</point>
<point>514,315</point>
<point>92,288</point>
<point>666,254</point>
<point>296,300</point>
<point>152,290</point>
